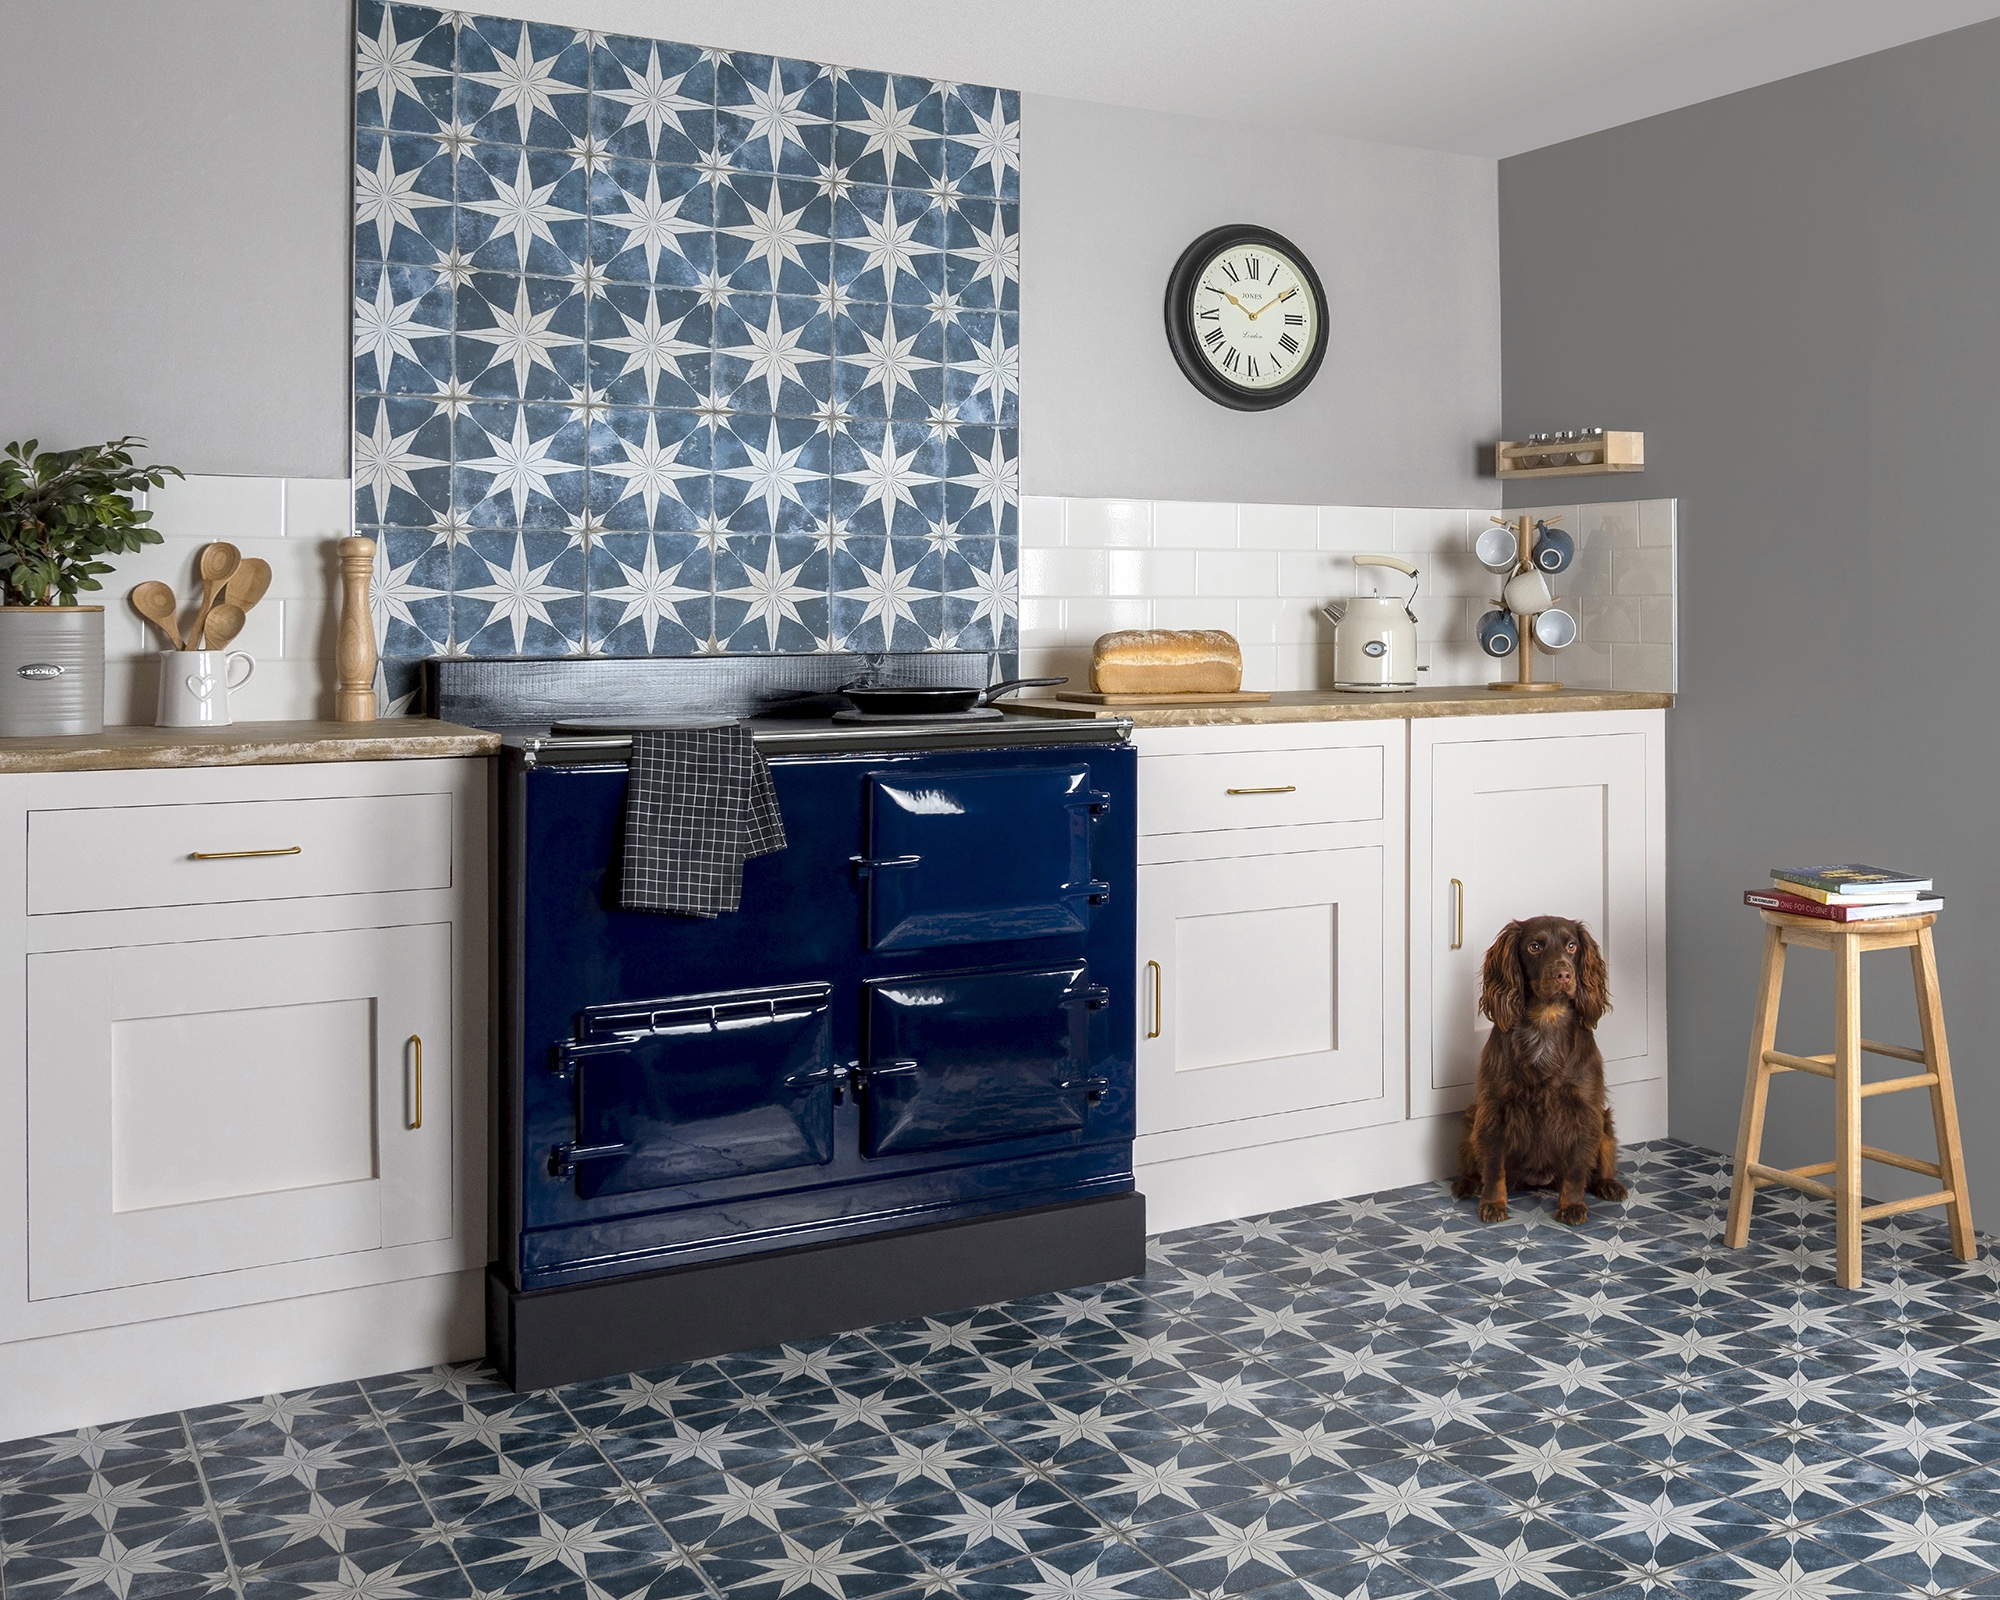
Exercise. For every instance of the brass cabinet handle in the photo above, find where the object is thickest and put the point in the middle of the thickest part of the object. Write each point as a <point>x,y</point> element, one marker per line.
<point>243,855</point>
<point>1154,1031</point>
<point>1458,907</point>
<point>416,1040</point>
<point>1276,788</point>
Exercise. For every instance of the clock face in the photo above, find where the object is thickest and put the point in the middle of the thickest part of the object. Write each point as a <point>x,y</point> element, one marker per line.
<point>1246,317</point>
<point>1255,318</point>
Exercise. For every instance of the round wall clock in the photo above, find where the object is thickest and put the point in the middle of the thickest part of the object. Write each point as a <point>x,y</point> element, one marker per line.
<point>1246,317</point>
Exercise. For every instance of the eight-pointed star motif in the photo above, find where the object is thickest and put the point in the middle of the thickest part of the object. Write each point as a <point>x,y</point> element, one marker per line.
<point>386,197</point>
<point>652,99</point>
<point>517,595</point>
<point>652,223</point>
<point>775,234</point>
<point>772,593</point>
<point>890,128</point>
<point>524,82</point>
<point>651,470</point>
<point>520,465</point>
<point>775,114</point>
<point>773,474</point>
<point>651,346</point>
<point>523,210</point>
<point>388,66</point>
<point>386,328</point>
<point>522,337</point>
<point>995,142</point>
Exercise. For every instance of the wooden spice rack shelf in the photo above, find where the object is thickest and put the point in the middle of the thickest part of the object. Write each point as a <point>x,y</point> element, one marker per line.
<point>1622,452</point>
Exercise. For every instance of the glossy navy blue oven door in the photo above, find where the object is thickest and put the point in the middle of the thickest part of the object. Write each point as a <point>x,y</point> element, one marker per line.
<point>693,1088</point>
<point>973,857</point>
<point>962,1058</point>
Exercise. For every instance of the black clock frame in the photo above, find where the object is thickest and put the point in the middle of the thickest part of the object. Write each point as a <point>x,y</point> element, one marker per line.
<point>1183,341</point>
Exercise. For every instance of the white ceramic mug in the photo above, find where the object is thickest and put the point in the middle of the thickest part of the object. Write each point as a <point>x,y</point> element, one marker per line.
<point>1527,594</point>
<point>195,685</point>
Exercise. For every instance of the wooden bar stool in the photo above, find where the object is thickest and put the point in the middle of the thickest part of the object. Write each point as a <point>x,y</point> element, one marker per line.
<point>1847,941</point>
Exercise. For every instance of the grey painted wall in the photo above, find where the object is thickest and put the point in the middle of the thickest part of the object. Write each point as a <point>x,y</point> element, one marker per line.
<point>176,194</point>
<point>1403,240</point>
<point>186,271</point>
<point>1795,292</point>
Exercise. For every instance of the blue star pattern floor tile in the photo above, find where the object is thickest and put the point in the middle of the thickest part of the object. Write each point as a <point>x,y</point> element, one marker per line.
<point>615,294</point>
<point>1363,1400</point>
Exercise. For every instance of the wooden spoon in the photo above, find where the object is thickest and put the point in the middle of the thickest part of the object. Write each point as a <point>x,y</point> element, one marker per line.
<point>247,587</point>
<point>156,603</point>
<point>225,622</point>
<point>218,565</point>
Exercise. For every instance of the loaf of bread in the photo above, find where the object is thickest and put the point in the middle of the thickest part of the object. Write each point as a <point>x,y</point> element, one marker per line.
<point>1166,661</point>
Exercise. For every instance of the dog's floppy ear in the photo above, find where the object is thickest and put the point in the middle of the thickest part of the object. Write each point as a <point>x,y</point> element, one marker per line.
<point>1501,986</point>
<point>1593,982</point>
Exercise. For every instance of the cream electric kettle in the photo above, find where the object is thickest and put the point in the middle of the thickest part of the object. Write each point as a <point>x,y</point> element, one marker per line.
<point>1375,637</point>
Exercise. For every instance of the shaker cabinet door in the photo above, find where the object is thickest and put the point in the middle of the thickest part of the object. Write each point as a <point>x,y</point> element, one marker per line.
<point>229,1103</point>
<point>1523,827</point>
<point>1268,985</point>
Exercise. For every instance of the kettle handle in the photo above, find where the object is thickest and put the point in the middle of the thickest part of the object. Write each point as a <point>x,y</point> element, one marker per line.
<point>1400,566</point>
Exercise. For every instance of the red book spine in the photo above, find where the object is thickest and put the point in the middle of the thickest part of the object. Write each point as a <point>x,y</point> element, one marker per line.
<point>1795,905</point>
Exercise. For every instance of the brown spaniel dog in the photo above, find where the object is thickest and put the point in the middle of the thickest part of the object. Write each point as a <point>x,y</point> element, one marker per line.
<point>1539,1113</point>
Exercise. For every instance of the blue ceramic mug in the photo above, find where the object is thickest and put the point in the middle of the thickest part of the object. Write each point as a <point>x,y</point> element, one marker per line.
<point>1554,549</point>
<point>1499,636</point>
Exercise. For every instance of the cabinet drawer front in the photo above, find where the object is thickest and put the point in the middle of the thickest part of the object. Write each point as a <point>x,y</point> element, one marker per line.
<point>1260,789</point>
<point>120,858</point>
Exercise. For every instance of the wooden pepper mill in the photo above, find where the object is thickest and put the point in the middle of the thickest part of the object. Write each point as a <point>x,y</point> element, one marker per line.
<point>354,657</point>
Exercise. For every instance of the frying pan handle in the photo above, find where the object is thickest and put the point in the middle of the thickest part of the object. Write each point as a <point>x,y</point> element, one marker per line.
<point>1011,684</point>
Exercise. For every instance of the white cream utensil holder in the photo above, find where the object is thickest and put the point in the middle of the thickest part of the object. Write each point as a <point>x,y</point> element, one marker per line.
<point>195,686</point>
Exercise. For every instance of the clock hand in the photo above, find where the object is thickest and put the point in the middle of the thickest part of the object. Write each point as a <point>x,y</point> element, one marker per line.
<point>1238,304</point>
<point>1277,302</point>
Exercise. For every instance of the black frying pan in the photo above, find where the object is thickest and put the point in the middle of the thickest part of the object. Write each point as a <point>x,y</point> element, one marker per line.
<point>917,701</point>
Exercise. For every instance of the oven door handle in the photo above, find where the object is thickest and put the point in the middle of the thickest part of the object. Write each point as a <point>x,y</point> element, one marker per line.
<point>867,866</point>
<point>565,1158</point>
<point>1093,1088</point>
<point>572,1053</point>
<point>895,1067</point>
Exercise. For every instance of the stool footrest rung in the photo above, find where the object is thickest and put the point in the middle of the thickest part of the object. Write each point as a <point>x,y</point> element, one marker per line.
<point>1920,1080</point>
<point>1793,1179</point>
<point>1900,1052</point>
<point>1916,1202</point>
<point>1822,1066</point>
<point>1890,1158</point>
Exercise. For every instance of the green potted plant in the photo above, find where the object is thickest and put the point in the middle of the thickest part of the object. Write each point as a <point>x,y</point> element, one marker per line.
<point>60,510</point>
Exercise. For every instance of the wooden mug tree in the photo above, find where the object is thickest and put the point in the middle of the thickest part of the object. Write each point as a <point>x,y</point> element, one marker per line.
<point>354,656</point>
<point>1524,534</point>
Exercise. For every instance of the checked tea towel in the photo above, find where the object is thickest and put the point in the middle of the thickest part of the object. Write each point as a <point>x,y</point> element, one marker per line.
<point>699,803</point>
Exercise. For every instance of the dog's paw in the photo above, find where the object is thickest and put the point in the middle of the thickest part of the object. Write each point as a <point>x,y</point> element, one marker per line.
<point>1493,1211</point>
<point>1464,1188</point>
<point>1608,1189</point>
<point>1576,1216</point>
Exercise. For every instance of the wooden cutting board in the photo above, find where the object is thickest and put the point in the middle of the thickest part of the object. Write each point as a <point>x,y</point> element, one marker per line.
<point>1241,697</point>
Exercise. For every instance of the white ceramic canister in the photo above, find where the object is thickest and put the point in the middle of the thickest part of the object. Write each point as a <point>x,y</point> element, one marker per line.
<point>51,670</point>
<point>195,686</point>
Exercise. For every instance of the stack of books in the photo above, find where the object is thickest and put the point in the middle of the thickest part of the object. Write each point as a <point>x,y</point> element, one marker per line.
<point>1849,892</point>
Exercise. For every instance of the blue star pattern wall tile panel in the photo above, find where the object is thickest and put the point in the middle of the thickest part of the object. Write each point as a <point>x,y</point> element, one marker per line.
<point>1365,1399</point>
<point>665,350</point>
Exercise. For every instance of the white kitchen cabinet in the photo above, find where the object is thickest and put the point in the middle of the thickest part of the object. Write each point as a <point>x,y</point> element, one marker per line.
<point>1308,1013</point>
<point>249,1086</point>
<point>1270,943</point>
<point>1559,814</point>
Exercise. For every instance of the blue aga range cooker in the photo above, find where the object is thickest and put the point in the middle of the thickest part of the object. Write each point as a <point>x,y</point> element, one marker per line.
<point>899,1079</point>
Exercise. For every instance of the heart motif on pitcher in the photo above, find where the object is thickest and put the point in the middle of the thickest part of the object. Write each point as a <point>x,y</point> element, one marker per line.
<point>199,686</point>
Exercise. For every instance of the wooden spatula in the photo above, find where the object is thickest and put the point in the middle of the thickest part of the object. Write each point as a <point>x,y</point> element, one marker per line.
<point>225,622</point>
<point>218,565</point>
<point>156,603</point>
<point>247,587</point>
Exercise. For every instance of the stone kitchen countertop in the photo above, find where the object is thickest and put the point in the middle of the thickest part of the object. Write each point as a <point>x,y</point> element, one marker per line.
<point>247,744</point>
<point>1332,705</point>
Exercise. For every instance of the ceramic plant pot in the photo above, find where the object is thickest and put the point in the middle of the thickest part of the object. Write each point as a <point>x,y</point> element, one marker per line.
<point>51,670</point>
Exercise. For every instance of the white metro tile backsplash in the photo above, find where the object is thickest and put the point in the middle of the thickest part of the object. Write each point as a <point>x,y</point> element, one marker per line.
<point>1262,572</point>
<point>292,523</point>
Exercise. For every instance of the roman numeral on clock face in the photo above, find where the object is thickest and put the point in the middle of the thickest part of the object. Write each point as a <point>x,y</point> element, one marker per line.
<point>1251,366</point>
<point>1230,361</point>
<point>1252,264</point>
<point>1295,319</point>
<point>1211,314</point>
<point>1213,338</point>
<point>1233,278</point>
<point>1288,344</point>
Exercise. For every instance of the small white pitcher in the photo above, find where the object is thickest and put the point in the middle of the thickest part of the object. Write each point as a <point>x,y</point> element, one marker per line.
<point>195,686</point>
